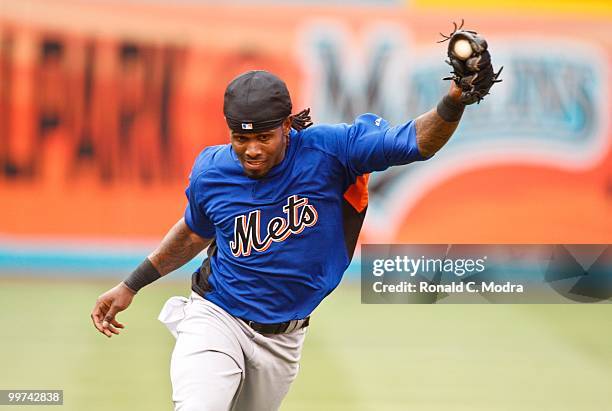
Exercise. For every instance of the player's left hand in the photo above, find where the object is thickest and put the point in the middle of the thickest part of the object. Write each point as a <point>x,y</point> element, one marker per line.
<point>455,91</point>
<point>469,57</point>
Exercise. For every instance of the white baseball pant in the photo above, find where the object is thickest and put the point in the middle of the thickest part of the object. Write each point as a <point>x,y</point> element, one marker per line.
<point>219,363</point>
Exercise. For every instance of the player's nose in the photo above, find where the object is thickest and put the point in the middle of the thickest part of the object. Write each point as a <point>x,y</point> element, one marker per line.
<point>253,150</point>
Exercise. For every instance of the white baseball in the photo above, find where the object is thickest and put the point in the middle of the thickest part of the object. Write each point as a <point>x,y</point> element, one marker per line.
<point>462,49</point>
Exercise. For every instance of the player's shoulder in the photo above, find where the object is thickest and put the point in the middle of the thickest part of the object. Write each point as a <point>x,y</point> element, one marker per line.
<point>327,136</point>
<point>369,121</point>
<point>323,137</point>
<point>211,159</point>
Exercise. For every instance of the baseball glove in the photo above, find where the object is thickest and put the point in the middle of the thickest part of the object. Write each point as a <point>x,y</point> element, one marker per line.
<point>471,63</point>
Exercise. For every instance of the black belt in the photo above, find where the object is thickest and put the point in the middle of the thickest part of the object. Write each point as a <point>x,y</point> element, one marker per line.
<point>278,328</point>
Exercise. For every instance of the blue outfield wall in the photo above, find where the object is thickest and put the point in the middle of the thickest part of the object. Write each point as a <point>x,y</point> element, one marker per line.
<point>53,260</point>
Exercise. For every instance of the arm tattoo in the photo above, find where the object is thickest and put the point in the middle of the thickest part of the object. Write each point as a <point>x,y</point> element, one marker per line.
<point>177,248</point>
<point>432,132</point>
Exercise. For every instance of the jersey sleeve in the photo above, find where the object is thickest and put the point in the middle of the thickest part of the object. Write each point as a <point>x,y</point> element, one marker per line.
<point>371,144</point>
<point>195,218</point>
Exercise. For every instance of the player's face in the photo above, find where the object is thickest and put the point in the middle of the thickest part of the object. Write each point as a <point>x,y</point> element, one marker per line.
<point>259,152</point>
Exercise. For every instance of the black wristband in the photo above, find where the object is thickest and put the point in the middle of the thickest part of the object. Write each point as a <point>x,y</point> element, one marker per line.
<point>143,275</point>
<point>449,109</point>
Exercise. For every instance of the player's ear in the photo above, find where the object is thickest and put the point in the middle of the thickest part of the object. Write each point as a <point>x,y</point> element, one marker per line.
<point>287,125</point>
<point>286,129</point>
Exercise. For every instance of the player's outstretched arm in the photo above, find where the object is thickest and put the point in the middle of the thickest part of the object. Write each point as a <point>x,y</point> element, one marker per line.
<point>471,80</point>
<point>177,248</point>
<point>433,131</point>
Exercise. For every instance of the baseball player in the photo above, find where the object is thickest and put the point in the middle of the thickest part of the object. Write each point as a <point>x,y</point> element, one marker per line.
<point>280,209</point>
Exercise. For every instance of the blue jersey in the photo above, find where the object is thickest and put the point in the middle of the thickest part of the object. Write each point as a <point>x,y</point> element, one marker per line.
<point>283,242</point>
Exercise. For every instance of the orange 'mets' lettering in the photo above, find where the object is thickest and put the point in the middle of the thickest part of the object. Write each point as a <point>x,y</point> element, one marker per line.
<point>298,215</point>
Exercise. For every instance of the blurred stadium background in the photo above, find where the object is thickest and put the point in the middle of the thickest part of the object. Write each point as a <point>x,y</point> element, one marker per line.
<point>105,104</point>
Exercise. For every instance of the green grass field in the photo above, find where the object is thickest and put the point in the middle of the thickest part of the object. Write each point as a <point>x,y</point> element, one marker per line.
<point>356,357</point>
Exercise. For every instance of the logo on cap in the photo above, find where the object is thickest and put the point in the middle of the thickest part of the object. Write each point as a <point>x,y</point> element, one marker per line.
<point>247,126</point>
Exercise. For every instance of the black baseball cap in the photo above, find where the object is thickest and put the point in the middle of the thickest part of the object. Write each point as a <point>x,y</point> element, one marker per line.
<point>256,101</point>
